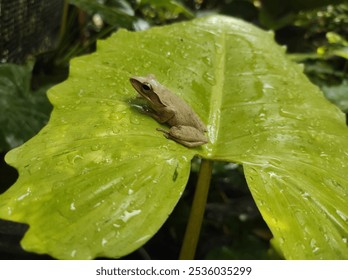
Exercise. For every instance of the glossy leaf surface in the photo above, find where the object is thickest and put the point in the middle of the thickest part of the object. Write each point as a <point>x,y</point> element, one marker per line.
<point>99,180</point>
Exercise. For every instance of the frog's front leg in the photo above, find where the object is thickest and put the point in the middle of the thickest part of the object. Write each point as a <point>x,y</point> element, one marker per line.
<point>158,116</point>
<point>186,135</point>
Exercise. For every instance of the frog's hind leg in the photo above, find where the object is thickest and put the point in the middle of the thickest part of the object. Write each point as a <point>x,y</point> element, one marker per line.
<point>166,133</point>
<point>175,134</point>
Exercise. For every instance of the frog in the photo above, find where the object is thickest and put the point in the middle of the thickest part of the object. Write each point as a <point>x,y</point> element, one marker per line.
<point>186,127</point>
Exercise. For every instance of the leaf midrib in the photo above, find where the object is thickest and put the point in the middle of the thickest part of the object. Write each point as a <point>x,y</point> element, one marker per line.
<point>217,89</point>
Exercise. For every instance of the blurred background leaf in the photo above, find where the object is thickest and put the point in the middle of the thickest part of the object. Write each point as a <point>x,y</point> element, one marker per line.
<point>276,14</point>
<point>23,111</point>
<point>338,95</point>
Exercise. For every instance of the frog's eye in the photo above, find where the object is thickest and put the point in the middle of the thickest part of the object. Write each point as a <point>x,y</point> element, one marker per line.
<point>146,87</point>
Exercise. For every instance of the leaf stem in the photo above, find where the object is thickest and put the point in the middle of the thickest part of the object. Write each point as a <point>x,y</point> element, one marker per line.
<point>193,227</point>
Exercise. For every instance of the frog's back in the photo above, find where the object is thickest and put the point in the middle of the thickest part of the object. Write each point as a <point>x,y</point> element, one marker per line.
<point>184,114</point>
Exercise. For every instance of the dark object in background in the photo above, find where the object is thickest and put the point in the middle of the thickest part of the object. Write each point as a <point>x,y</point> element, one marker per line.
<point>28,28</point>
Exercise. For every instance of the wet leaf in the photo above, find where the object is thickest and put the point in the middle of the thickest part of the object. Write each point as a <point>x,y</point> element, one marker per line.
<point>99,180</point>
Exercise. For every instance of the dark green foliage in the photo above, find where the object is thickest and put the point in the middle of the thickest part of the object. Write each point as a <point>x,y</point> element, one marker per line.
<point>22,111</point>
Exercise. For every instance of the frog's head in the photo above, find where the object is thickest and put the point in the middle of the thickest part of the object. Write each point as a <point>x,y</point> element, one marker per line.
<point>149,88</point>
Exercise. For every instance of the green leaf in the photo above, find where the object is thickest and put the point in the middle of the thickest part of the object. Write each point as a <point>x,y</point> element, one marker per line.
<point>337,46</point>
<point>99,180</point>
<point>23,112</point>
<point>163,10</point>
<point>338,95</point>
<point>276,14</point>
<point>116,12</point>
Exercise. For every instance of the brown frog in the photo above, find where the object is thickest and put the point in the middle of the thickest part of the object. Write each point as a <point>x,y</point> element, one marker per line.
<point>186,127</point>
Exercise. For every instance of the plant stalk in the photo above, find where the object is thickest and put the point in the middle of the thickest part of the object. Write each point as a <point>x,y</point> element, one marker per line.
<point>194,224</point>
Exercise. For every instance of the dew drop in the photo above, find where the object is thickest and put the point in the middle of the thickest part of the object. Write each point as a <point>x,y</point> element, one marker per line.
<point>134,119</point>
<point>104,241</point>
<point>75,159</point>
<point>342,215</point>
<point>58,184</point>
<point>81,92</point>
<point>127,215</point>
<point>73,253</point>
<point>305,195</point>
<point>209,78</point>
<point>315,248</point>
<point>115,130</point>
<point>95,147</point>
<point>72,206</point>
<point>207,61</point>
<point>281,240</point>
